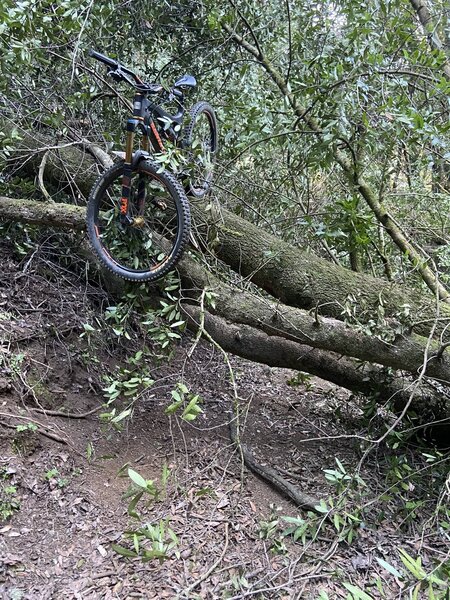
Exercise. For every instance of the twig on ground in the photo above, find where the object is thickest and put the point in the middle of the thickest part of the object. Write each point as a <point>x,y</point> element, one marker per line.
<point>269,474</point>
<point>43,432</point>
<point>61,413</point>
<point>209,572</point>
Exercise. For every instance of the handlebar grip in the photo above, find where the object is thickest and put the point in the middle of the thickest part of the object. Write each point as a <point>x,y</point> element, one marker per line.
<point>104,59</point>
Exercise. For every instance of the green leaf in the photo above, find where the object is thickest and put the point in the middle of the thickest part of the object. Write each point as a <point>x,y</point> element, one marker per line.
<point>170,410</point>
<point>322,507</point>
<point>121,416</point>
<point>133,504</point>
<point>189,417</point>
<point>340,465</point>
<point>123,551</point>
<point>413,565</point>
<point>137,479</point>
<point>150,554</point>
<point>178,324</point>
<point>358,593</point>
<point>192,409</point>
<point>389,568</point>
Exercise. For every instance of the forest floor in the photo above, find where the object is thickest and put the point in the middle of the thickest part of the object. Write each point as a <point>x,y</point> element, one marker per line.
<point>62,485</point>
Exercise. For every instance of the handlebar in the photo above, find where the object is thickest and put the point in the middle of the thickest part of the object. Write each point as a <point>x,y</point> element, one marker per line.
<point>119,70</point>
<point>104,59</point>
<point>121,73</point>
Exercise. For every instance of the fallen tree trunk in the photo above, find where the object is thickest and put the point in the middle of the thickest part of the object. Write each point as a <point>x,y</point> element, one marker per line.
<point>304,280</point>
<point>297,277</point>
<point>370,380</point>
<point>279,335</point>
<point>408,352</point>
<point>42,213</point>
<point>274,319</point>
<point>67,165</point>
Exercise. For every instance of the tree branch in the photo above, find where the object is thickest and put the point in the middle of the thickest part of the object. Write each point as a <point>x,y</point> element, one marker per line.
<point>354,178</point>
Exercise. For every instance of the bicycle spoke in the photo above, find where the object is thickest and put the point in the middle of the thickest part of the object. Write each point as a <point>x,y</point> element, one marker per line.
<point>146,241</point>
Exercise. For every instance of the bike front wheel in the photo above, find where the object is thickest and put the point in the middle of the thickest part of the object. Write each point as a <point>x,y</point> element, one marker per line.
<point>200,138</point>
<point>149,241</point>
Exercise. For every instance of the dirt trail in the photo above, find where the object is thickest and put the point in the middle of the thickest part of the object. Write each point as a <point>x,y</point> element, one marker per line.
<point>58,543</point>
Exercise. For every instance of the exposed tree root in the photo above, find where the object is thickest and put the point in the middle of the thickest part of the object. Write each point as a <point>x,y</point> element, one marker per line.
<point>40,430</point>
<point>270,475</point>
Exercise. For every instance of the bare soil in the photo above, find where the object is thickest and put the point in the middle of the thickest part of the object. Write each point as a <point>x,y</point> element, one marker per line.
<point>69,481</point>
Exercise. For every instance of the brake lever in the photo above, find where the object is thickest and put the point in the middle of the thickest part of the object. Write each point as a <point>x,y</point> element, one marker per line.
<point>116,75</point>
<point>177,93</point>
<point>119,75</point>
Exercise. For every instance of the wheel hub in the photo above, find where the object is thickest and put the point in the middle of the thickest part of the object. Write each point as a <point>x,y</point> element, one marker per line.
<point>138,222</point>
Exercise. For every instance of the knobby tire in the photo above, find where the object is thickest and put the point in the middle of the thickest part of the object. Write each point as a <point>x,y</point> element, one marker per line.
<point>148,251</point>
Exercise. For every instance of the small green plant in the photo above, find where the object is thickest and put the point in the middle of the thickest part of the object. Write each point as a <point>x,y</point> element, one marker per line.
<point>51,474</point>
<point>9,503</point>
<point>87,330</point>
<point>183,399</point>
<point>340,479</point>
<point>137,490</point>
<point>53,477</point>
<point>15,363</point>
<point>140,487</point>
<point>345,514</point>
<point>90,451</point>
<point>302,529</point>
<point>301,378</point>
<point>27,427</point>
<point>150,540</point>
<point>26,439</point>
<point>270,530</point>
<point>128,384</point>
<point>165,324</point>
<point>239,583</point>
<point>432,585</point>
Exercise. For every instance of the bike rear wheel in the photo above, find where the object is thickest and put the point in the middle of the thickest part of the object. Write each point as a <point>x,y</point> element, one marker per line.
<point>201,140</point>
<point>147,244</point>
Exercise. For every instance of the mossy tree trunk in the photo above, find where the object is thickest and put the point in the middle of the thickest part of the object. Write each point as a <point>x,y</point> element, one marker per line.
<point>280,335</point>
<point>282,331</point>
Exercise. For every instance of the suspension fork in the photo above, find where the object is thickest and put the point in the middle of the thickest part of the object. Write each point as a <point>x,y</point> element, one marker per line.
<point>141,193</point>
<point>151,136</point>
<point>132,123</point>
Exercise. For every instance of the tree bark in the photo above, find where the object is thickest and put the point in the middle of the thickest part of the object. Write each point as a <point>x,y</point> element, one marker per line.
<point>408,352</point>
<point>423,13</point>
<point>295,276</point>
<point>43,213</point>
<point>68,166</point>
<point>280,335</point>
<point>360,378</point>
<point>304,280</point>
<point>350,169</point>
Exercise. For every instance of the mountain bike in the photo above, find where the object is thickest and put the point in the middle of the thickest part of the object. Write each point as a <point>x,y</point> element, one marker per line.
<point>138,215</point>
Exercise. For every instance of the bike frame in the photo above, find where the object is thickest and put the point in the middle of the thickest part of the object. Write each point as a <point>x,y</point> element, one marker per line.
<point>142,120</point>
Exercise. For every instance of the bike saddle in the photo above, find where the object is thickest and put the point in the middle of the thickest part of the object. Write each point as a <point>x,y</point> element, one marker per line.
<point>186,81</point>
